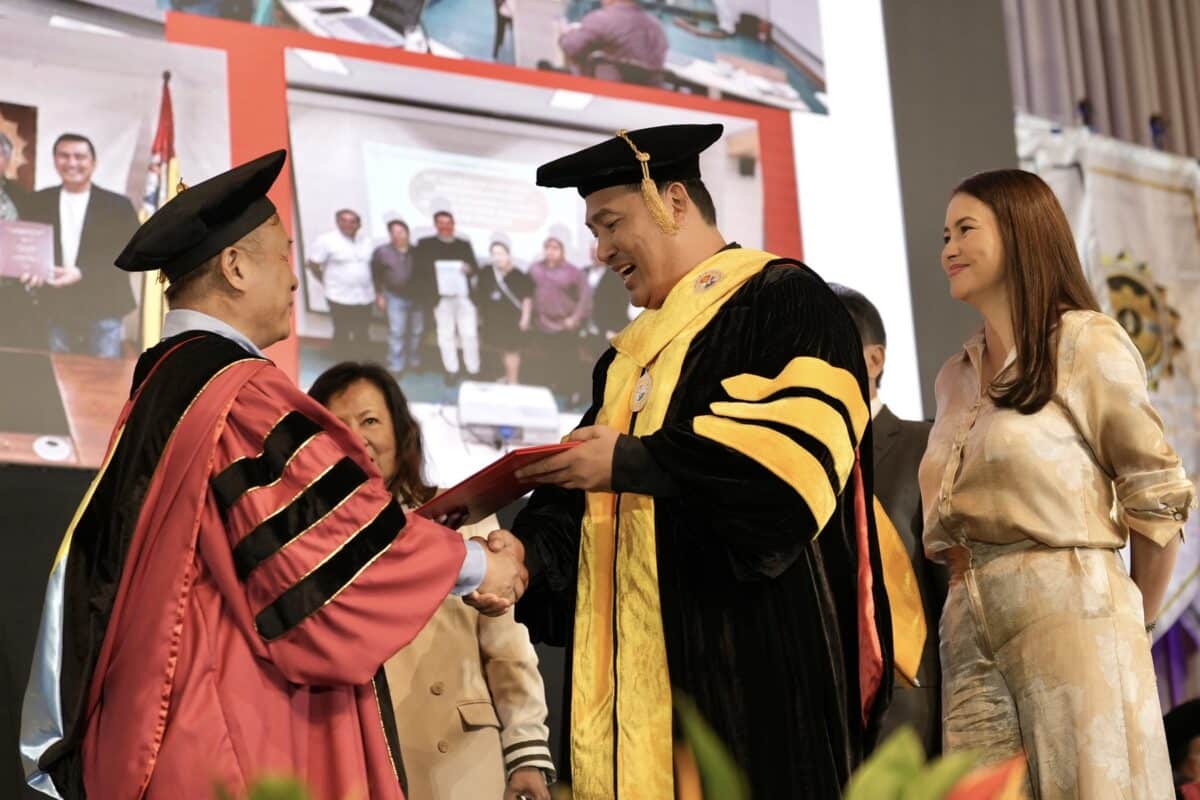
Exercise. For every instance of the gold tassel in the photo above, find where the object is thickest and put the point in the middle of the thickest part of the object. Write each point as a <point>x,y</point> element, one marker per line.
<point>650,190</point>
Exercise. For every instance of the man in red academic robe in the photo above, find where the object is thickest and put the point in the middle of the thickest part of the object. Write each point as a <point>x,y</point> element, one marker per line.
<point>237,573</point>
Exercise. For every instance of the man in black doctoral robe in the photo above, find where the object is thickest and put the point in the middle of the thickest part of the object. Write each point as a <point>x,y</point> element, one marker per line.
<point>713,532</point>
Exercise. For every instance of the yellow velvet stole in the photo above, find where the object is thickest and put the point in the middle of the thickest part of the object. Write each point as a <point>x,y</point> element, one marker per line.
<point>909,629</point>
<point>621,742</point>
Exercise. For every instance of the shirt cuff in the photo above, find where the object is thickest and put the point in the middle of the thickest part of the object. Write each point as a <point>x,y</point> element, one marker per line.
<point>474,568</point>
<point>531,753</point>
<point>634,470</point>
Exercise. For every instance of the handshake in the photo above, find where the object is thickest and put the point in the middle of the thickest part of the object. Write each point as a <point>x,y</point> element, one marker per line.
<point>506,576</point>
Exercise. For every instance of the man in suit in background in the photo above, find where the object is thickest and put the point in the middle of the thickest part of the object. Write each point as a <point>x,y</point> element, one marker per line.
<point>899,445</point>
<point>86,298</point>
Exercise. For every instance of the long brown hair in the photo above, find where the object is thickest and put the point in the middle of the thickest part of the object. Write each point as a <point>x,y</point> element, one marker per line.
<point>409,483</point>
<point>1044,276</point>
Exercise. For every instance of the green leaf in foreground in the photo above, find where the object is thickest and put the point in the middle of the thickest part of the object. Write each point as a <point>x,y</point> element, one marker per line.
<point>723,779</point>
<point>894,766</point>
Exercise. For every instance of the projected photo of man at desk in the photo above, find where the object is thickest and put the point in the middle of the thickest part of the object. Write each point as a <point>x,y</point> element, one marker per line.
<point>760,51</point>
<point>389,23</point>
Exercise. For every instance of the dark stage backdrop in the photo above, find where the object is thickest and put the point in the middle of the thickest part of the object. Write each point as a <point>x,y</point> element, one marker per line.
<point>36,504</point>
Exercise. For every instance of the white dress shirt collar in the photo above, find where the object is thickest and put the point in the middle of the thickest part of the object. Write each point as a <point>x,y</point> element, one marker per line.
<point>182,320</point>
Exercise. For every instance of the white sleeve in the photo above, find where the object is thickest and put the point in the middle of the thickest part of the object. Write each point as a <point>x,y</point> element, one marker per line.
<point>319,252</point>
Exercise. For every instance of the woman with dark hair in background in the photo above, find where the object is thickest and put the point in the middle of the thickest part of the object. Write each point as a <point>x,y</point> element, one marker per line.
<point>468,687</point>
<point>504,296</point>
<point>1045,459</point>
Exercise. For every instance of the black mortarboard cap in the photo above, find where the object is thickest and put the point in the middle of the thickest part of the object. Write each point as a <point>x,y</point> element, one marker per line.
<point>202,220</point>
<point>673,150</point>
<point>1182,724</point>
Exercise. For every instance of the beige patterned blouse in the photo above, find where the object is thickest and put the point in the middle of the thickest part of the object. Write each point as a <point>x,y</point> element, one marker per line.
<point>1082,471</point>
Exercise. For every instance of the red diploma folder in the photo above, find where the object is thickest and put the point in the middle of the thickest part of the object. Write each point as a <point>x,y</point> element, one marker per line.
<point>493,487</point>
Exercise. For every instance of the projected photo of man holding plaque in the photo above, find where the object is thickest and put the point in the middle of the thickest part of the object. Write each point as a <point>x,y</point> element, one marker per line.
<point>84,298</point>
<point>79,113</point>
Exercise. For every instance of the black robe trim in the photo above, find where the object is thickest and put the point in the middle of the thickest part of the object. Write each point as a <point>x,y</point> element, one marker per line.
<point>314,590</point>
<point>827,399</point>
<point>307,509</point>
<point>283,442</point>
<point>387,717</point>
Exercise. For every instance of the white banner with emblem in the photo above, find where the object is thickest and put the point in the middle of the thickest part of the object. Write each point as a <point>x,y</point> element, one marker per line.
<point>1136,217</point>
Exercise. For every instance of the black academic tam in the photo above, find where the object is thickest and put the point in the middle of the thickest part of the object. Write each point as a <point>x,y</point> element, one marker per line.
<point>672,154</point>
<point>203,219</point>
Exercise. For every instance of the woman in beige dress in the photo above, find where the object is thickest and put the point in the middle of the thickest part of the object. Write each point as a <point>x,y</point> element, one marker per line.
<point>469,701</point>
<point>1045,459</point>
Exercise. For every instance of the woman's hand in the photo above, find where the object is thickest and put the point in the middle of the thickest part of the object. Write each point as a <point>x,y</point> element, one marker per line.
<point>527,783</point>
<point>1150,568</point>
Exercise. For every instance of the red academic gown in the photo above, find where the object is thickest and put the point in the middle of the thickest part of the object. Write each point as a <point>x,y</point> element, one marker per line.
<point>268,577</point>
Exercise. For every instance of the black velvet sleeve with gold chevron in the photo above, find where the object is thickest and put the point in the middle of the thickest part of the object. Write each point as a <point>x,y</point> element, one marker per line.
<point>755,530</point>
<point>766,418</point>
<point>759,438</point>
